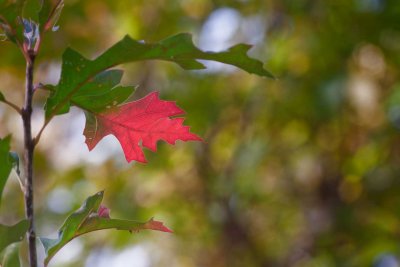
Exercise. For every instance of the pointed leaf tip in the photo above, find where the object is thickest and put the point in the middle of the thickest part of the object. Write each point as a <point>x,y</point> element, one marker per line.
<point>157,225</point>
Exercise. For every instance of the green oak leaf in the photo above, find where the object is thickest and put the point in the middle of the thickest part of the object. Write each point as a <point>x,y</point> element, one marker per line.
<point>10,19</point>
<point>100,93</point>
<point>12,234</point>
<point>71,225</point>
<point>91,217</point>
<point>10,256</point>
<point>77,71</point>
<point>6,163</point>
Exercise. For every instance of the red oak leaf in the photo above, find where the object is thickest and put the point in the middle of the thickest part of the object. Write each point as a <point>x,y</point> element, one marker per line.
<point>140,123</point>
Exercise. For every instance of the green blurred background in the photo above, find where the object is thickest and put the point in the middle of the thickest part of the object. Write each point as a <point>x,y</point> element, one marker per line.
<point>300,171</point>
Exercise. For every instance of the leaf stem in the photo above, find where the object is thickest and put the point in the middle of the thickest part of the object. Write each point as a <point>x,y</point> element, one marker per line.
<point>29,146</point>
<point>37,138</point>
<point>12,105</point>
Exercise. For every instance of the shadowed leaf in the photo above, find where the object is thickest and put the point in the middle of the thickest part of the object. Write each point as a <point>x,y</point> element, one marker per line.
<point>71,225</point>
<point>12,234</point>
<point>77,70</point>
<point>5,162</point>
<point>99,93</point>
<point>10,256</point>
<point>10,18</point>
<point>103,92</point>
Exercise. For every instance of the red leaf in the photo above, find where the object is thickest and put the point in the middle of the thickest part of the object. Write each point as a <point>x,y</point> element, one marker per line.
<point>157,225</point>
<point>144,122</point>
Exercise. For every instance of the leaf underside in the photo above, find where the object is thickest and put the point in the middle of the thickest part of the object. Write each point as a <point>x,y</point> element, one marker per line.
<point>87,219</point>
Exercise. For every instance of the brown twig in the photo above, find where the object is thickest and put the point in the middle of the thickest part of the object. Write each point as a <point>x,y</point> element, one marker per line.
<point>29,146</point>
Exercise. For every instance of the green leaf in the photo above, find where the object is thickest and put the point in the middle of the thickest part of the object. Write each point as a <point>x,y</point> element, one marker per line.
<point>71,225</point>
<point>102,92</point>
<point>10,256</point>
<point>2,98</point>
<point>91,217</point>
<point>78,71</point>
<point>31,9</point>
<point>5,163</point>
<point>12,234</point>
<point>10,19</point>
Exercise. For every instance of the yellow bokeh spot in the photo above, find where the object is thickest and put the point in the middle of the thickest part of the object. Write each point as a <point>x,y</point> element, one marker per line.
<point>350,191</point>
<point>298,63</point>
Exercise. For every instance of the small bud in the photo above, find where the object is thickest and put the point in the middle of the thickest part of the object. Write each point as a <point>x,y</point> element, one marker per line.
<point>31,34</point>
<point>104,212</point>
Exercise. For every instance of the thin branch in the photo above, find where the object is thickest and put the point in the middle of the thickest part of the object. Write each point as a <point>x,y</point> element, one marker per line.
<point>47,121</point>
<point>29,147</point>
<point>37,138</point>
<point>12,105</point>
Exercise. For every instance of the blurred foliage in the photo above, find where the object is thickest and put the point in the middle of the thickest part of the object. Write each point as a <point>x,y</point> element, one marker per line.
<point>301,171</point>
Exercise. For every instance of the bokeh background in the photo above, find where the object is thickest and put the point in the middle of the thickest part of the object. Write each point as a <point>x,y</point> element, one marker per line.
<point>300,171</point>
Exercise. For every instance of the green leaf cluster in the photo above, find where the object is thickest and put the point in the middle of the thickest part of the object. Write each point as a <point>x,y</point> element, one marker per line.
<point>77,71</point>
